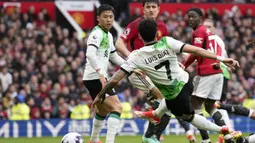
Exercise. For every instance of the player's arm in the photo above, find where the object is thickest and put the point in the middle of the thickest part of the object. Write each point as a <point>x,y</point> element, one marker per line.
<point>125,69</point>
<point>197,51</point>
<point>122,43</point>
<point>93,43</point>
<point>118,76</point>
<point>198,42</point>
<point>189,61</point>
<point>178,47</point>
<point>114,56</point>
<point>121,47</point>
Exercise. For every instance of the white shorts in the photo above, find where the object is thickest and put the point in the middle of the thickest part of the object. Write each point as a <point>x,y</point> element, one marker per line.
<point>143,84</point>
<point>208,86</point>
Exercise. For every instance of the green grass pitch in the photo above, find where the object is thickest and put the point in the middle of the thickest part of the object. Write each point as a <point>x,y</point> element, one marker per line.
<point>119,139</point>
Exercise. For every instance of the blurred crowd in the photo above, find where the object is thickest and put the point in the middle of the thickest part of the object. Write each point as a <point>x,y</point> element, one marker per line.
<point>41,64</point>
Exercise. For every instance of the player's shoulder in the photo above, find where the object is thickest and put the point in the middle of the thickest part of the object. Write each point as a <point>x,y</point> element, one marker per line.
<point>160,23</point>
<point>200,29</point>
<point>135,23</point>
<point>134,54</point>
<point>96,32</point>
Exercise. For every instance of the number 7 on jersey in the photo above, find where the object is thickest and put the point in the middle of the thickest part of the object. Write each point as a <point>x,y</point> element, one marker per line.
<point>166,63</point>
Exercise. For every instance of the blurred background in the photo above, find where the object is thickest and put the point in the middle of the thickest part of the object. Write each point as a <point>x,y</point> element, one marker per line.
<point>43,45</point>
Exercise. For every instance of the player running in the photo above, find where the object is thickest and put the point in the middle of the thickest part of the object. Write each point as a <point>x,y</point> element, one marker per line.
<point>130,39</point>
<point>158,60</point>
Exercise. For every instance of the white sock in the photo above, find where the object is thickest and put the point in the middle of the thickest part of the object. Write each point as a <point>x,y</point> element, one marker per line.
<point>162,108</point>
<point>251,139</point>
<point>113,124</point>
<point>204,124</point>
<point>251,112</point>
<point>98,123</point>
<point>225,117</point>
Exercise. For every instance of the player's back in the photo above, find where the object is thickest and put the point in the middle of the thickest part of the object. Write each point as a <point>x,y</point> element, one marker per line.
<point>160,63</point>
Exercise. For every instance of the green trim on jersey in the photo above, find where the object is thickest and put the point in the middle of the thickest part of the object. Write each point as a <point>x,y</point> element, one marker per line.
<point>162,43</point>
<point>225,71</point>
<point>171,91</point>
<point>105,40</point>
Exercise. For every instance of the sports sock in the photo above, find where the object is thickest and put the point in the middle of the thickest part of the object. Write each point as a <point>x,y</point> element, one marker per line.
<point>225,117</point>
<point>98,123</point>
<point>162,125</point>
<point>202,123</point>
<point>112,126</point>
<point>204,133</point>
<point>162,108</point>
<point>217,117</point>
<point>240,110</point>
<point>184,124</point>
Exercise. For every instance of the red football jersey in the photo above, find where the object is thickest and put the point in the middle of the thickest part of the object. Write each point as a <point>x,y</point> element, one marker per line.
<point>202,37</point>
<point>130,35</point>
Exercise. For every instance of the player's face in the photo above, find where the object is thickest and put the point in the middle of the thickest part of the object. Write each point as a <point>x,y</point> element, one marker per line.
<point>151,10</point>
<point>193,19</point>
<point>105,19</point>
<point>209,25</point>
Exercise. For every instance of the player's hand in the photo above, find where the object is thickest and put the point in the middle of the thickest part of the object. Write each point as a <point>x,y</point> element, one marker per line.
<point>181,65</point>
<point>102,80</point>
<point>231,63</point>
<point>139,72</point>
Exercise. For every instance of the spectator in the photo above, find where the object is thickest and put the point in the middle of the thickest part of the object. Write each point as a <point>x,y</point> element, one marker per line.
<point>6,78</point>
<point>20,110</point>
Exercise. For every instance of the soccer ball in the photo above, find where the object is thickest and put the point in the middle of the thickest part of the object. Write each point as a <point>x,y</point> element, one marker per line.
<point>72,138</point>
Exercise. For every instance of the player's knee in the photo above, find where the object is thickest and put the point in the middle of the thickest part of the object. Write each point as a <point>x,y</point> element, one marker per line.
<point>187,117</point>
<point>209,106</point>
<point>196,102</point>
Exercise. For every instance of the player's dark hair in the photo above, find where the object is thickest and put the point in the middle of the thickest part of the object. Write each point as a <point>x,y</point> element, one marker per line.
<point>197,10</point>
<point>150,1</point>
<point>147,29</point>
<point>104,7</point>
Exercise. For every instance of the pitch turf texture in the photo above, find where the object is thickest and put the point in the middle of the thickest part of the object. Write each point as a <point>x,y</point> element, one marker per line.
<point>119,139</point>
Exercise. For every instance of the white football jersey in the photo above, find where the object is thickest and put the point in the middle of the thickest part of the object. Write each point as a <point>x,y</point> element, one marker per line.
<point>222,46</point>
<point>159,62</point>
<point>103,41</point>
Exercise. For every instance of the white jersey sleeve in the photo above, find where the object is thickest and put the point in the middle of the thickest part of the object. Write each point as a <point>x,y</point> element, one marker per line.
<point>175,45</point>
<point>95,38</point>
<point>130,64</point>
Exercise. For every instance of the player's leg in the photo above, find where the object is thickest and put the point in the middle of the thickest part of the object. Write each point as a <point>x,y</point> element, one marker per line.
<point>197,99</point>
<point>113,122</point>
<point>236,109</point>
<point>181,107</point>
<point>224,90</point>
<point>216,82</point>
<point>94,87</point>
<point>220,116</point>
<point>152,92</point>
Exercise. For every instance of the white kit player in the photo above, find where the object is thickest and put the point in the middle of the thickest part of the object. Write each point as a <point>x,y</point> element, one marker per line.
<point>158,60</point>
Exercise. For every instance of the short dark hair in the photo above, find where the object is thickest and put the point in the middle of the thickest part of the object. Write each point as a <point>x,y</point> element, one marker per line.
<point>197,10</point>
<point>104,7</point>
<point>148,29</point>
<point>151,1</point>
